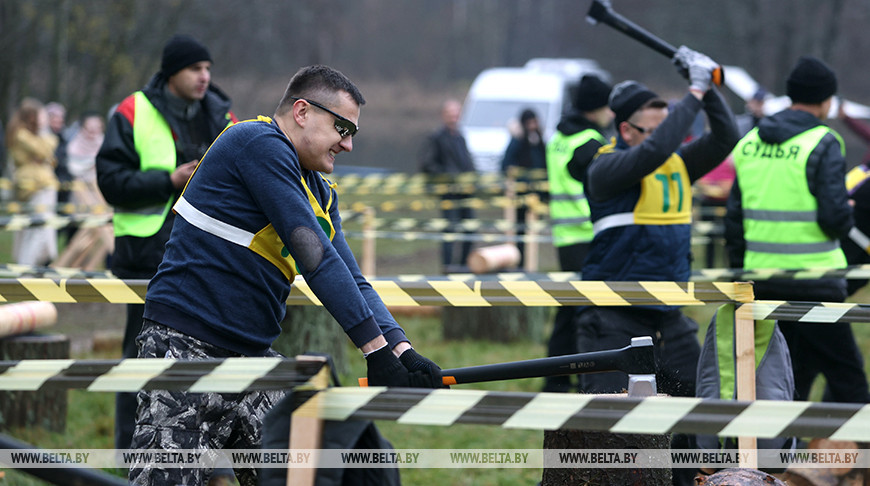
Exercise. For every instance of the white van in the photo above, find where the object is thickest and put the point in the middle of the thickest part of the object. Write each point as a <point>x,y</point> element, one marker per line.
<point>498,95</point>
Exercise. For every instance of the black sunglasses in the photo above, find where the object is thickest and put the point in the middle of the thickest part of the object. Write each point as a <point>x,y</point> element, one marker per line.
<point>343,126</point>
<point>641,129</point>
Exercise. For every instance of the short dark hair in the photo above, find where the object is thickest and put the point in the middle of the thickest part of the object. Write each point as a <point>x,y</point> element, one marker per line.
<point>320,83</point>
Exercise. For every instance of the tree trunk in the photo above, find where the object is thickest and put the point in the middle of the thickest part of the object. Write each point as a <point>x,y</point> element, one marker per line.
<point>312,328</point>
<point>595,440</point>
<point>45,408</point>
<point>499,323</point>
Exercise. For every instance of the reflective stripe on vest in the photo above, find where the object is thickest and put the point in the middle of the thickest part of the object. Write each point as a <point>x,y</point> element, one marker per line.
<point>725,323</point>
<point>153,142</point>
<point>569,209</point>
<point>665,198</point>
<point>265,242</point>
<point>780,221</point>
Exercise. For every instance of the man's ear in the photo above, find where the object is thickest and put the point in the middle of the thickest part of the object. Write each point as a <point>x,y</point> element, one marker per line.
<point>300,113</point>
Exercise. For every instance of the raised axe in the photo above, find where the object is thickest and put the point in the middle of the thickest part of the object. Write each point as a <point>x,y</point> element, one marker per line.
<point>601,11</point>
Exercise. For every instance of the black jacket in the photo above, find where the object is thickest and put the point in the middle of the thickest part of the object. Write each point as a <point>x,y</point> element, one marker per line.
<point>575,122</point>
<point>125,186</point>
<point>826,172</point>
<point>445,152</point>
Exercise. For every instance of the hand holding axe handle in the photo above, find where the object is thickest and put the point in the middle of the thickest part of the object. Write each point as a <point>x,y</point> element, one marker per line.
<point>637,358</point>
<point>601,11</point>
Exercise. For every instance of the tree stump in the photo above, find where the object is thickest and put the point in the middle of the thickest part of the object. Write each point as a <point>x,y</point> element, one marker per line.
<point>595,440</point>
<point>45,408</point>
<point>312,328</point>
<point>498,323</point>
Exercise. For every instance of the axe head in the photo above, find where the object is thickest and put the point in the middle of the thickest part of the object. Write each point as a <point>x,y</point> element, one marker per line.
<point>598,11</point>
<point>641,359</point>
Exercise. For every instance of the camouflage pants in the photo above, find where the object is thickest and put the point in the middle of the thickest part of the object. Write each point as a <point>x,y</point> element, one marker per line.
<point>171,420</point>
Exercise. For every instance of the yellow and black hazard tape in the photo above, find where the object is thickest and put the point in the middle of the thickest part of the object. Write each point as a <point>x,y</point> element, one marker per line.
<point>426,204</point>
<point>434,292</point>
<point>852,272</point>
<point>21,221</point>
<point>551,411</point>
<point>15,207</point>
<point>447,237</point>
<point>464,183</point>
<point>230,375</point>
<point>12,270</point>
<point>445,225</point>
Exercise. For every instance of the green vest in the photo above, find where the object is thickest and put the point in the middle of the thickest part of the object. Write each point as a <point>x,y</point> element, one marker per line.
<point>779,212</point>
<point>569,209</point>
<point>153,141</point>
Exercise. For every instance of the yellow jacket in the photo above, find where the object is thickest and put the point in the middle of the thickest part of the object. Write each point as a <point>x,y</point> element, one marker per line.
<point>34,161</point>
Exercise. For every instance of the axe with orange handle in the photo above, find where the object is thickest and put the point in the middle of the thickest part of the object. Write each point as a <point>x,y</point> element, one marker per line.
<point>634,359</point>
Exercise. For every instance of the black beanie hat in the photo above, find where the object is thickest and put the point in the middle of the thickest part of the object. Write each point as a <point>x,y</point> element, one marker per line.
<point>182,51</point>
<point>591,94</point>
<point>627,97</point>
<point>811,81</point>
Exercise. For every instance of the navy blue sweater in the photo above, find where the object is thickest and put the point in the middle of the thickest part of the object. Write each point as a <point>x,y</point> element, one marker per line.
<point>228,295</point>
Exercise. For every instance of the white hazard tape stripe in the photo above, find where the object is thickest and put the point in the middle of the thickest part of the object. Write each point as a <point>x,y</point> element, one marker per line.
<point>828,312</point>
<point>30,375</point>
<point>547,411</point>
<point>764,419</point>
<point>339,404</point>
<point>655,416</point>
<point>130,375</point>
<point>442,407</point>
<point>234,375</point>
<point>856,428</point>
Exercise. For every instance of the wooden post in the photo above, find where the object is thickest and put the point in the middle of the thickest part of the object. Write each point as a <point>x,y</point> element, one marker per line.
<point>306,433</point>
<point>744,347</point>
<point>530,262</point>
<point>369,243</point>
<point>510,207</point>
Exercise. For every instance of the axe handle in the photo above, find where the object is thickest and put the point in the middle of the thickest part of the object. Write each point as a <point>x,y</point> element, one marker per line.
<point>601,12</point>
<point>631,359</point>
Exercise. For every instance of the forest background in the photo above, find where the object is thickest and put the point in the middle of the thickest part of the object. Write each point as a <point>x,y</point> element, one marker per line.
<point>407,56</point>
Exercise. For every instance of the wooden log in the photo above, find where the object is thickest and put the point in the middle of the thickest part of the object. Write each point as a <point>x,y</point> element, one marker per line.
<point>46,409</point>
<point>498,323</point>
<point>24,317</point>
<point>312,328</point>
<point>489,259</point>
<point>596,440</point>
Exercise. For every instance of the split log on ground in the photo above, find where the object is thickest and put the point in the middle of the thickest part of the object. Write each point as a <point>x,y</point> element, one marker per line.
<point>46,408</point>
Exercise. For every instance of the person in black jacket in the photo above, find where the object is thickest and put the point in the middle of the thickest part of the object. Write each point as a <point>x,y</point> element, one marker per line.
<point>527,154</point>
<point>579,135</point>
<point>788,209</point>
<point>153,142</point>
<point>444,156</point>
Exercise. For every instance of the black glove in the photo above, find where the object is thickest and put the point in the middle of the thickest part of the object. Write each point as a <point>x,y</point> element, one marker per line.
<point>696,67</point>
<point>385,369</point>
<point>424,372</point>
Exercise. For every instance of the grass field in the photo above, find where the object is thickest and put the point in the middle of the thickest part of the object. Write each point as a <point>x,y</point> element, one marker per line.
<point>90,418</point>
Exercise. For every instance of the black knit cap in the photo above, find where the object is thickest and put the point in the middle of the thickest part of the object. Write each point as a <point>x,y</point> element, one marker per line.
<point>811,81</point>
<point>182,51</point>
<point>627,97</point>
<point>591,94</point>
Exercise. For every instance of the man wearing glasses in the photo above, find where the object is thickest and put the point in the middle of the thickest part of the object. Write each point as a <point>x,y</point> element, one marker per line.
<point>640,197</point>
<point>257,212</point>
